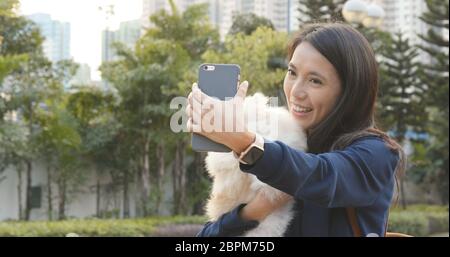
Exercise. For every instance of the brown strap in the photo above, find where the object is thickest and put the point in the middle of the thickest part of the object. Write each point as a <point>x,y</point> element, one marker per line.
<point>351,215</point>
<point>387,224</point>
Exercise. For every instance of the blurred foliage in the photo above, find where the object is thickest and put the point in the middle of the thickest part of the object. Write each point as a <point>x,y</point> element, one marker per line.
<point>416,220</point>
<point>123,131</point>
<point>253,53</point>
<point>419,220</point>
<point>402,94</point>
<point>320,10</point>
<point>436,77</point>
<point>94,227</point>
<point>247,23</point>
<point>8,7</point>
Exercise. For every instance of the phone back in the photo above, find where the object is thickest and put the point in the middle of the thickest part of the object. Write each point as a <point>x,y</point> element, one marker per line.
<point>221,81</point>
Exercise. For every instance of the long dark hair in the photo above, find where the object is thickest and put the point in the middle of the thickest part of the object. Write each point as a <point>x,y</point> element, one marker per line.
<point>353,115</point>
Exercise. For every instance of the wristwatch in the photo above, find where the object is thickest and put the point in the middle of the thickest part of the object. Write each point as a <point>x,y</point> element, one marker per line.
<point>253,152</point>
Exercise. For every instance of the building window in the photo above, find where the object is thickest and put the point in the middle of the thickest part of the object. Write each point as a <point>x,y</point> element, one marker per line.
<point>36,197</point>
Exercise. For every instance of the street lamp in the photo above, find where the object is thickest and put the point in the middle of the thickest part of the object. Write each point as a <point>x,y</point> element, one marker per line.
<point>354,11</point>
<point>375,15</point>
<point>358,11</point>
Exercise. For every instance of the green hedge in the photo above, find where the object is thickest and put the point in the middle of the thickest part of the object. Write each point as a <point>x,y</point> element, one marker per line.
<point>419,220</point>
<point>416,220</point>
<point>93,227</point>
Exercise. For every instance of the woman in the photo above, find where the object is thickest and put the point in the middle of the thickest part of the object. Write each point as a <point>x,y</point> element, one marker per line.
<point>331,87</point>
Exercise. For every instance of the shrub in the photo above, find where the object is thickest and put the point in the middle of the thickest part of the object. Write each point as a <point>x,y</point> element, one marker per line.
<point>415,224</point>
<point>93,227</point>
<point>419,220</point>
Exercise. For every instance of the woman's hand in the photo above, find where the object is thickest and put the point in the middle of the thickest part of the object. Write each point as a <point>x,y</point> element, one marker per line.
<point>260,207</point>
<point>220,121</point>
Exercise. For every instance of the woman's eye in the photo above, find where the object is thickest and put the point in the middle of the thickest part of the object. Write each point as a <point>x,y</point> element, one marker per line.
<point>291,72</point>
<point>316,81</point>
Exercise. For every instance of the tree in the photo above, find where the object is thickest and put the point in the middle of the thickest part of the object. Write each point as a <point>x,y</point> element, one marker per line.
<point>402,93</point>
<point>436,77</point>
<point>98,128</point>
<point>8,7</point>
<point>8,61</point>
<point>155,72</point>
<point>10,137</point>
<point>20,36</point>
<point>57,143</point>
<point>247,23</point>
<point>154,64</point>
<point>253,54</point>
<point>13,153</point>
<point>320,10</point>
<point>30,86</point>
<point>192,31</point>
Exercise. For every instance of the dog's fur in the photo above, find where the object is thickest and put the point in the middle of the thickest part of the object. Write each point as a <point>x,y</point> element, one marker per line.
<point>232,187</point>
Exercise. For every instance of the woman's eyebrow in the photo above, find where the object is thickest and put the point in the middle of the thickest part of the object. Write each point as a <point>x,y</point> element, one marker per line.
<point>315,73</point>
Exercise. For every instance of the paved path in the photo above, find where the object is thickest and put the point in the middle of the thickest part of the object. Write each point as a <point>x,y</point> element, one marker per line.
<point>181,230</point>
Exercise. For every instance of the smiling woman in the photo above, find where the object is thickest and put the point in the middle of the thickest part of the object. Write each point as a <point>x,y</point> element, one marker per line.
<point>311,85</point>
<point>331,87</point>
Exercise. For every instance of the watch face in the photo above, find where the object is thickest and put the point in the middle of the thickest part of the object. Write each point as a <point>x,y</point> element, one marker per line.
<point>253,155</point>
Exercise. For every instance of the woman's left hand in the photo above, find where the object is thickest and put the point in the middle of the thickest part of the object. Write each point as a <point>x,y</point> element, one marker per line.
<point>220,121</point>
<point>260,207</point>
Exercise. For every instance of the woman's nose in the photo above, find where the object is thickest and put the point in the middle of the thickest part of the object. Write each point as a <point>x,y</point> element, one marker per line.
<point>299,91</point>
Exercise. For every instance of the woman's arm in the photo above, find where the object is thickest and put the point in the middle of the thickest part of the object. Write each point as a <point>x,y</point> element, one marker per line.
<point>229,224</point>
<point>244,217</point>
<point>352,177</point>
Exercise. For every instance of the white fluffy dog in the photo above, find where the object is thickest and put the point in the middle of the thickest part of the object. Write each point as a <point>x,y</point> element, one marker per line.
<point>232,187</point>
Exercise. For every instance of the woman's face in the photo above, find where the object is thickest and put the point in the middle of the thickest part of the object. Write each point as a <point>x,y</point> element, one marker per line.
<point>312,86</point>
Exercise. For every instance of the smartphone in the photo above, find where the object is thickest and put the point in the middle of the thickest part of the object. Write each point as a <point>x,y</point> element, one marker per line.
<point>221,81</point>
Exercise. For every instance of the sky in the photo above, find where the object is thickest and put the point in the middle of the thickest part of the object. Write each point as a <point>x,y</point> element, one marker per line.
<point>86,23</point>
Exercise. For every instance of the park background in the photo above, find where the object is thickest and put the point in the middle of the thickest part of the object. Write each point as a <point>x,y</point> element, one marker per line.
<point>94,154</point>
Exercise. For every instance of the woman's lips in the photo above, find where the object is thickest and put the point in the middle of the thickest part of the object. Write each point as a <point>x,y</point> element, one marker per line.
<point>300,111</point>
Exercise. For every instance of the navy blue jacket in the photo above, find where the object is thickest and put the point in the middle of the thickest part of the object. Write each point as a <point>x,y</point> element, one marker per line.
<point>361,176</point>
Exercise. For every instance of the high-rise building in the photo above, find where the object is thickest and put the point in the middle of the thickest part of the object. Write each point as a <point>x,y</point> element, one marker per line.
<point>227,10</point>
<point>56,45</point>
<point>82,76</point>
<point>403,17</point>
<point>282,13</point>
<point>128,33</point>
<point>150,7</point>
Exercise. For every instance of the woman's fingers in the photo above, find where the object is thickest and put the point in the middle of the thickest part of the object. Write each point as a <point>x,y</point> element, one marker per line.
<point>194,117</point>
<point>189,110</point>
<point>242,90</point>
<point>192,126</point>
<point>189,98</point>
<point>198,94</point>
<point>197,116</point>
